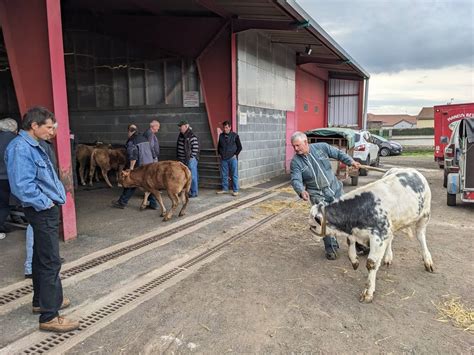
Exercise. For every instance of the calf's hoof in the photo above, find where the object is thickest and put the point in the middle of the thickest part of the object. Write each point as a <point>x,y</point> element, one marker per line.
<point>365,297</point>
<point>429,267</point>
<point>167,218</point>
<point>142,207</point>
<point>355,265</point>
<point>387,263</point>
<point>181,214</point>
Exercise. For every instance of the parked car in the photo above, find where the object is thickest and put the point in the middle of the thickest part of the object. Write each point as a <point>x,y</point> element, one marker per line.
<point>452,152</point>
<point>365,152</point>
<point>387,147</point>
<point>462,181</point>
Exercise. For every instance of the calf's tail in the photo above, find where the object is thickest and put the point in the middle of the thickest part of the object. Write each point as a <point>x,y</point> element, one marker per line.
<point>92,166</point>
<point>187,172</point>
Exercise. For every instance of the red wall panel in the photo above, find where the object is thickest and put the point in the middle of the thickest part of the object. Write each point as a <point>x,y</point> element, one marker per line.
<point>215,72</point>
<point>32,31</point>
<point>310,101</point>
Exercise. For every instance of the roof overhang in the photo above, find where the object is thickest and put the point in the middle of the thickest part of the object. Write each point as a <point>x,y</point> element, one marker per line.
<point>285,22</point>
<point>297,12</point>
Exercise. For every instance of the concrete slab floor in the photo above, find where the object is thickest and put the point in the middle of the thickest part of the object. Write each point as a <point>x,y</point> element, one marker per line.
<point>100,225</point>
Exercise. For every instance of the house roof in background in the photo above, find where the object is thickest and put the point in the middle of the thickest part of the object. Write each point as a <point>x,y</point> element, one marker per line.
<point>390,120</point>
<point>426,113</point>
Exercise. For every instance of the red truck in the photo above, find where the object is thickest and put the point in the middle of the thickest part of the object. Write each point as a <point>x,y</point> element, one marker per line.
<point>444,115</point>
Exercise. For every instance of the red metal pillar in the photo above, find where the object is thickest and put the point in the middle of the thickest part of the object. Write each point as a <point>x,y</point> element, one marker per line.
<point>215,73</point>
<point>32,31</point>
<point>233,56</point>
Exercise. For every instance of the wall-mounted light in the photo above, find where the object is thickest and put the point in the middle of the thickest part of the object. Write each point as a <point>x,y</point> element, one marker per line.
<point>308,50</point>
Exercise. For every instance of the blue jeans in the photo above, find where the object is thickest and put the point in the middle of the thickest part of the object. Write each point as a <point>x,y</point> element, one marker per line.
<point>193,166</point>
<point>4,202</point>
<point>29,249</point>
<point>127,194</point>
<point>232,166</point>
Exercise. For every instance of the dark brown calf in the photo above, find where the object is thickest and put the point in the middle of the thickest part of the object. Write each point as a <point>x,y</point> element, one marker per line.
<point>106,160</point>
<point>172,176</point>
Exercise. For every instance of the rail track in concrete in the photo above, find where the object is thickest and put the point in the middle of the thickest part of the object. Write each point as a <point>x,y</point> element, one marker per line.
<point>101,313</point>
<point>15,295</point>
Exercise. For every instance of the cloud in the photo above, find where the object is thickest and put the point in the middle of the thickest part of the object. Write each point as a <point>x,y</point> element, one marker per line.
<point>409,90</point>
<point>391,36</point>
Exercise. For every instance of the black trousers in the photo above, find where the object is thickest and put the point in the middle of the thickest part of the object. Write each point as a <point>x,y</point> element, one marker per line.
<point>4,202</point>
<point>47,288</point>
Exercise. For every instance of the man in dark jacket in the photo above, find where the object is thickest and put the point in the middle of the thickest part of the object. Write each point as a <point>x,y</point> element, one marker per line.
<point>8,129</point>
<point>188,153</point>
<point>229,147</point>
<point>138,153</point>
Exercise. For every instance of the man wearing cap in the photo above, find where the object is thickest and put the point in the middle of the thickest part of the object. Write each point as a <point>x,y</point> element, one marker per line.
<point>187,151</point>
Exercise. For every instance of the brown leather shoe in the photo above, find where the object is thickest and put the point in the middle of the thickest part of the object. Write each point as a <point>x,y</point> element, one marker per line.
<point>66,303</point>
<point>59,325</point>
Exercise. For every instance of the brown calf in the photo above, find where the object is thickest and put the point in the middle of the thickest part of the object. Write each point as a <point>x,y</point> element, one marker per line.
<point>106,160</point>
<point>172,176</point>
<point>83,157</point>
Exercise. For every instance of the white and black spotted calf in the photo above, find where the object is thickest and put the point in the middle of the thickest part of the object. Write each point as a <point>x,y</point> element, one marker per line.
<point>372,214</point>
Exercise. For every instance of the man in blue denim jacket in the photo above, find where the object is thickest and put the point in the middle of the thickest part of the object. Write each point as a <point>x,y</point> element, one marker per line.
<point>312,177</point>
<point>34,182</point>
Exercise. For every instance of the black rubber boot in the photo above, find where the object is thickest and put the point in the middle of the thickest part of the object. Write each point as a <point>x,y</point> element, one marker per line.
<point>330,246</point>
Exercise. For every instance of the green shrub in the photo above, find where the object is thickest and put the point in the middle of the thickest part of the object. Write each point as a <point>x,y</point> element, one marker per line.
<point>428,131</point>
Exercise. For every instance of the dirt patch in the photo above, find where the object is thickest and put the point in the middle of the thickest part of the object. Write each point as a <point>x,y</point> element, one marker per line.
<point>274,292</point>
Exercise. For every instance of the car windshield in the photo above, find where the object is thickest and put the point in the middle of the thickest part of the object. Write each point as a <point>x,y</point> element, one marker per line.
<point>357,137</point>
<point>380,138</point>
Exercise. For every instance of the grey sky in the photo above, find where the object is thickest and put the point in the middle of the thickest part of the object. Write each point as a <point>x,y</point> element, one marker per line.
<point>418,52</point>
<point>389,36</point>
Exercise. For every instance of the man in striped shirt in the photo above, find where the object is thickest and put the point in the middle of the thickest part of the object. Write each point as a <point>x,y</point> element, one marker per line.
<point>188,153</point>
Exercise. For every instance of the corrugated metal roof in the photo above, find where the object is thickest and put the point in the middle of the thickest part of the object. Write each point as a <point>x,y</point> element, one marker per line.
<point>283,21</point>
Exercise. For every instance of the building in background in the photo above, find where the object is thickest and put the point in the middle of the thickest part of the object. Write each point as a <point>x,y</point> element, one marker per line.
<point>425,118</point>
<point>99,65</point>
<point>390,121</point>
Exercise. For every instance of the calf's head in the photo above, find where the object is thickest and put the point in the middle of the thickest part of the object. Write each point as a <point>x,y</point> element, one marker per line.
<point>125,179</point>
<point>317,220</point>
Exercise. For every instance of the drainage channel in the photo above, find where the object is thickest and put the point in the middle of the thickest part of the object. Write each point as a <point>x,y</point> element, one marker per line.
<point>20,292</point>
<point>55,340</point>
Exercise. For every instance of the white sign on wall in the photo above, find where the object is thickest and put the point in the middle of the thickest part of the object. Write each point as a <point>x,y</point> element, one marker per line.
<point>243,118</point>
<point>191,99</point>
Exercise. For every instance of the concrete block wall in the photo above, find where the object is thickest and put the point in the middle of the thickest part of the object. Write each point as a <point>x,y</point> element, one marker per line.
<point>110,126</point>
<point>263,144</point>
